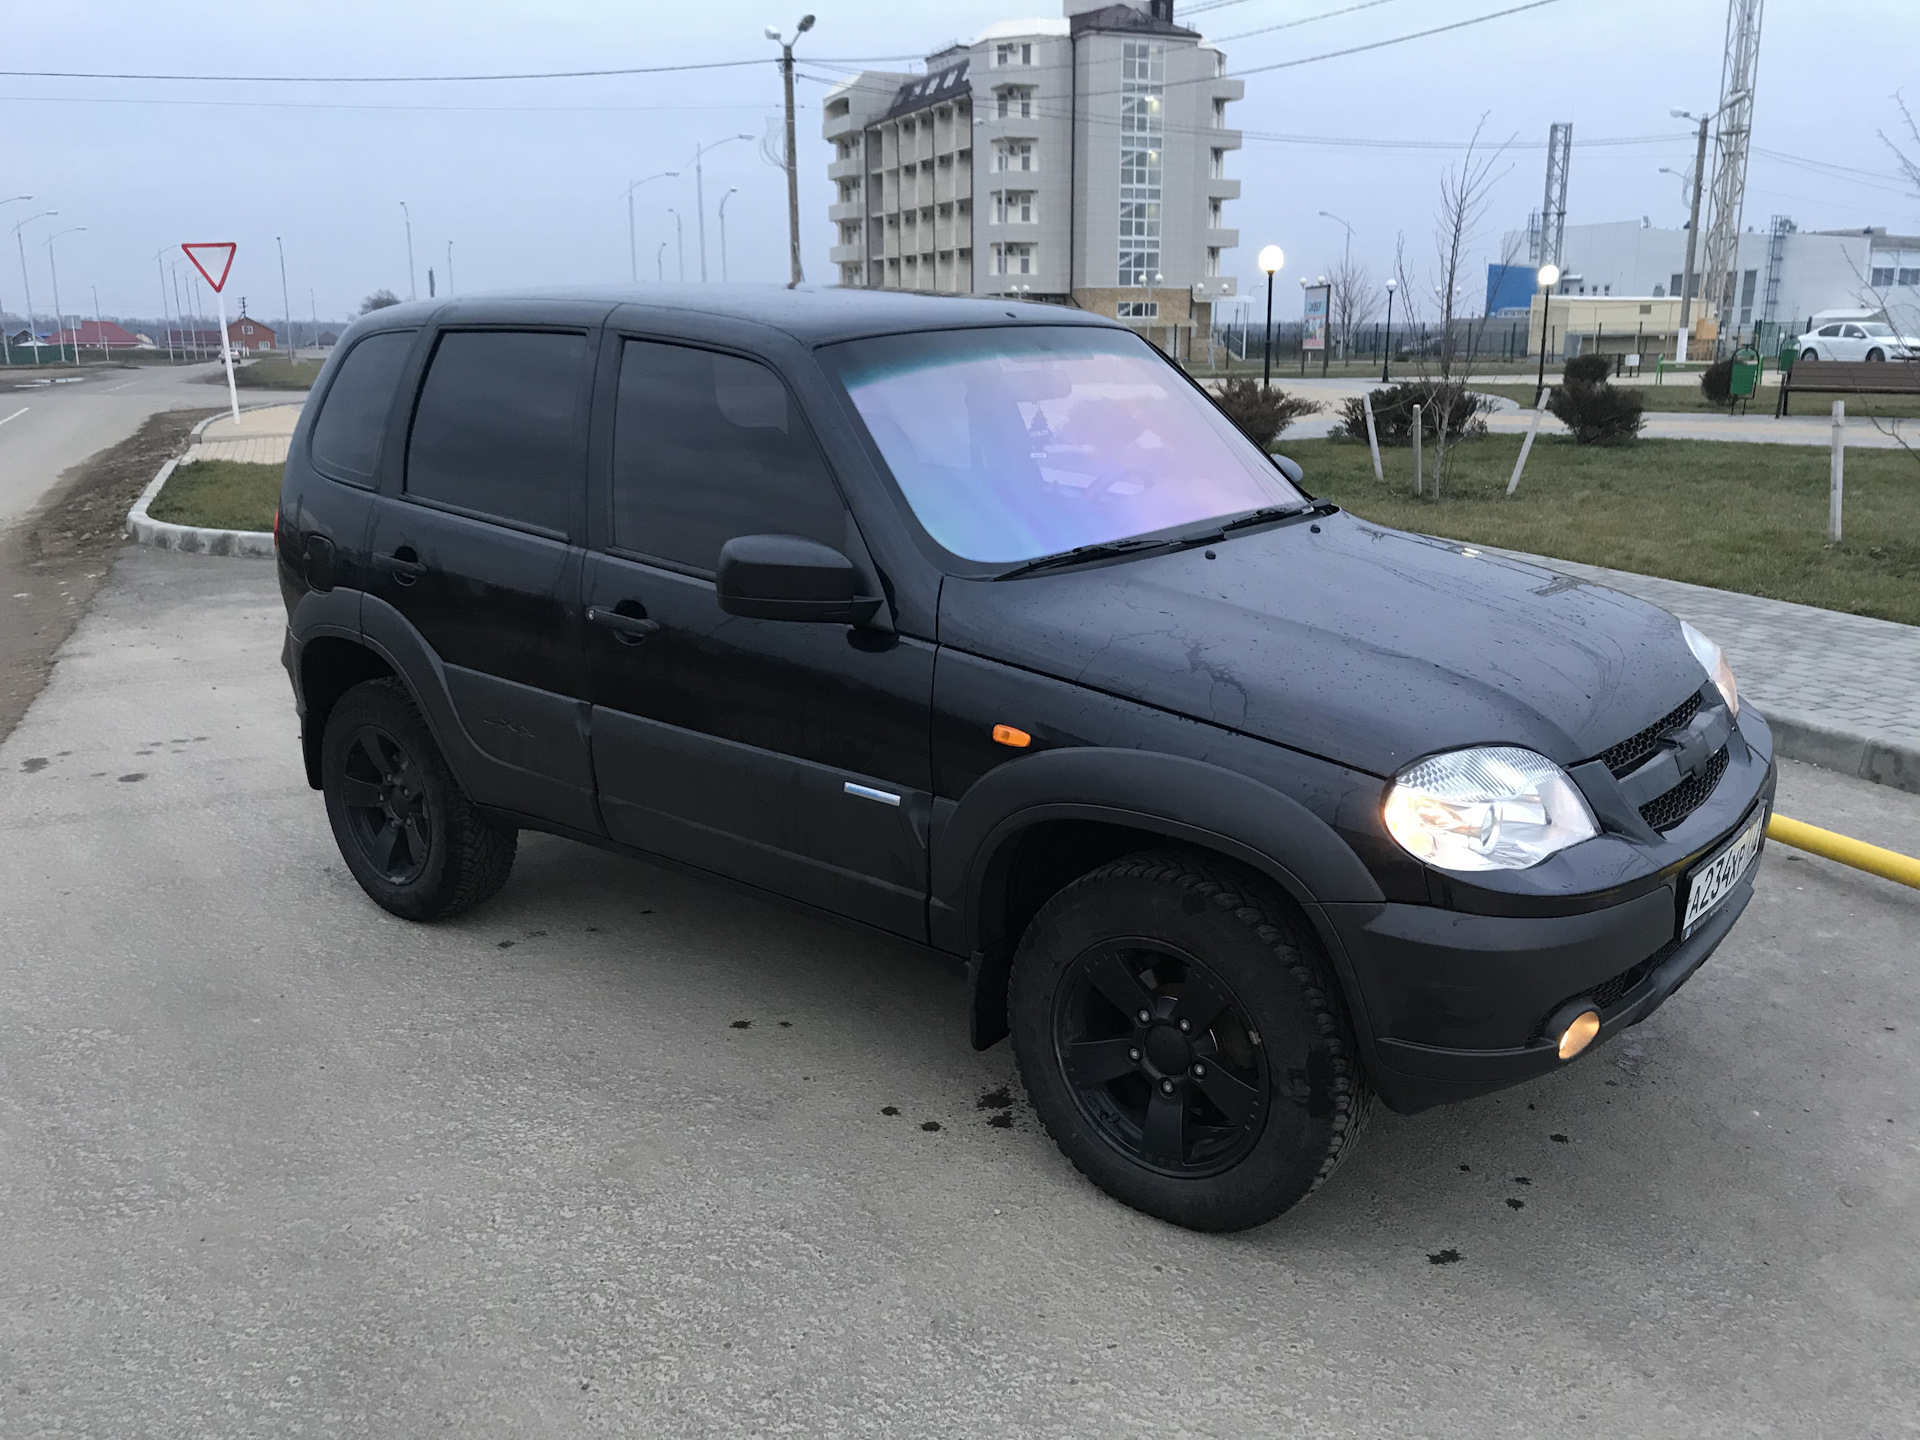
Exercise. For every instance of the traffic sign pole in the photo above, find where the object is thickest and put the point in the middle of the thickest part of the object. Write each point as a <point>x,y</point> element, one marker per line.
<point>226,353</point>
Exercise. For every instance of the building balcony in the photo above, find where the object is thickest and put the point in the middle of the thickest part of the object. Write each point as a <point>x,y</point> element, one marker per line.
<point>851,168</point>
<point>839,210</point>
<point>1223,239</point>
<point>847,254</point>
<point>1224,139</point>
<point>1227,90</point>
<point>1219,188</point>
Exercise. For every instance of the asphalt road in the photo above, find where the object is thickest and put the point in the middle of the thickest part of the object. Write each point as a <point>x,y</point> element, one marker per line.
<point>46,428</point>
<point>274,1163</point>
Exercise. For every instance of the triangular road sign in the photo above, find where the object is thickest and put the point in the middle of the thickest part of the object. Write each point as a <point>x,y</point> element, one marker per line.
<point>220,255</point>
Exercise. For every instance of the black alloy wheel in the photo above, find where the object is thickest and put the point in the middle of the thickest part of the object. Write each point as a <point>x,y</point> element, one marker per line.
<point>386,804</point>
<point>1183,1040</point>
<point>412,837</point>
<point>1161,1057</point>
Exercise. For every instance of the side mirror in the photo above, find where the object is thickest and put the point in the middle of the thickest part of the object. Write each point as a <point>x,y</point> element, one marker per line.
<point>1289,468</point>
<point>785,577</point>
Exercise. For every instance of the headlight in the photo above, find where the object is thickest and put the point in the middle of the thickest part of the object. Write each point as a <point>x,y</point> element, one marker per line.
<point>1498,808</point>
<point>1715,664</point>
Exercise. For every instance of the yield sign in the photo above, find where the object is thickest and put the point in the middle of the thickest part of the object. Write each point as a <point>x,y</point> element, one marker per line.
<point>220,255</point>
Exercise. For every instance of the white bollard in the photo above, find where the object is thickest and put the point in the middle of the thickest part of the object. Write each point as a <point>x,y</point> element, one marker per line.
<point>1417,487</point>
<point>1373,438</point>
<point>1837,471</point>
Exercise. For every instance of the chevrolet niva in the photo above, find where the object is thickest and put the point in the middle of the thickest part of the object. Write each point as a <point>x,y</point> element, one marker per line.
<point>979,624</point>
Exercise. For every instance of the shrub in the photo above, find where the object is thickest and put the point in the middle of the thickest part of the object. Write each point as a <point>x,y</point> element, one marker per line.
<point>1262,412</point>
<point>1597,414</point>
<point>1716,383</point>
<point>1393,412</point>
<point>1587,370</point>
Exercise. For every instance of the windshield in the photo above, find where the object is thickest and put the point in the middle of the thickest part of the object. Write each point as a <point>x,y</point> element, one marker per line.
<point>1873,329</point>
<point>1011,444</point>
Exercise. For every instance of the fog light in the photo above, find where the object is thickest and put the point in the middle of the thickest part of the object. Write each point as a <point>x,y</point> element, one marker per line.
<point>1578,1035</point>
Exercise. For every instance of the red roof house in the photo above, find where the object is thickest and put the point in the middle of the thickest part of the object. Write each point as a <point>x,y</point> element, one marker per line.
<point>98,335</point>
<point>250,335</point>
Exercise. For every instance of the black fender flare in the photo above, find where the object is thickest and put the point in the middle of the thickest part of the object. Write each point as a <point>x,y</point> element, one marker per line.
<point>1186,801</point>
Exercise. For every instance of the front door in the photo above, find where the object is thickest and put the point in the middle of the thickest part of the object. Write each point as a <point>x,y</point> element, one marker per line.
<point>790,755</point>
<point>476,555</point>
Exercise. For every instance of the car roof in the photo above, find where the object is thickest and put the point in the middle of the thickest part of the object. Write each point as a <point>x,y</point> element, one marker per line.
<point>812,316</point>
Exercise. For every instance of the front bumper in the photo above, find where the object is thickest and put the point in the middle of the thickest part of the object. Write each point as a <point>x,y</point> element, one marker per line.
<point>1455,1004</point>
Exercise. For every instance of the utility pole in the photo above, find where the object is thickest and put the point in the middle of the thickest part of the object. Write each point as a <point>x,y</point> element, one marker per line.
<point>54,270</point>
<point>99,329</point>
<point>1693,230</point>
<point>165,323</point>
<point>286,305</point>
<point>793,159</point>
<point>33,340</point>
<point>449,267</point>
<point>413,289</point>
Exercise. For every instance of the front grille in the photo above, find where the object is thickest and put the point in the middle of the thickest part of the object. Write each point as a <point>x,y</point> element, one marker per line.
<point>1630,752</point>
<point>1668,810</point>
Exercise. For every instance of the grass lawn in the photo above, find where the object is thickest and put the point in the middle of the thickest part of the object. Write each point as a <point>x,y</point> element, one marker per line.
<point>219,494</point>
<point>1681,394</point>
<point>1751,518</point>
<point>276,374</point>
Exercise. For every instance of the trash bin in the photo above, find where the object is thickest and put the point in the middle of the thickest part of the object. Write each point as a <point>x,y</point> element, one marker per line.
<point>1745,378</point>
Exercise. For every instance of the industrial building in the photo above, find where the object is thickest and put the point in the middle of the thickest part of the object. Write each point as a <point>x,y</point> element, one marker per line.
<point>1781,276</point>
<point>1077,159</point>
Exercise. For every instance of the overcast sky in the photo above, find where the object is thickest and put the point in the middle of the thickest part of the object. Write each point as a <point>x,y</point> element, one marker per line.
<point>525,178</point>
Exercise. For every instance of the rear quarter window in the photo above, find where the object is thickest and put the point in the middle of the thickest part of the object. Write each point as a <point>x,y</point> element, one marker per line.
<point>353,414</point>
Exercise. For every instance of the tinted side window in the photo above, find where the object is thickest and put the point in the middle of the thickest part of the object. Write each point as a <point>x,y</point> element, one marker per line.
<point>496,431</point>
<point>346,437</point>
<point>707,447</point>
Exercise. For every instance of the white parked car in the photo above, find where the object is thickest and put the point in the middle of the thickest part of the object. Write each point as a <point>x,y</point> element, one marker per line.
<point>1857,340</point>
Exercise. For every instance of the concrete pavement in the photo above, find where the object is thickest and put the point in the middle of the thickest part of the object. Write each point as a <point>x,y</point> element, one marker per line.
<point>259,437</point>
<point>272,1162</point>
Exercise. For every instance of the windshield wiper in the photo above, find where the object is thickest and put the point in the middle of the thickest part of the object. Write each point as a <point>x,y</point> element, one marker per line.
<point>1099,551</point>
<point>1263,515</point>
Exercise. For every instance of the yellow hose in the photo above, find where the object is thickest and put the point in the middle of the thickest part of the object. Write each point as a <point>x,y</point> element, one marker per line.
<point>1844,848</point>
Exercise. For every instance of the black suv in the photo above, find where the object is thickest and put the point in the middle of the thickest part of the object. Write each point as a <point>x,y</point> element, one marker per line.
<point>978,623</point>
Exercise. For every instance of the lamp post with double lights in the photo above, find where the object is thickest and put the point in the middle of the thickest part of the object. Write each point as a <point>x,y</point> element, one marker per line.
<point>700,196</point>
<point>6,345</point>
<point>1271,259</point>
<point>1548,276</point>
<point>792,159</point>
<point>33,340</point>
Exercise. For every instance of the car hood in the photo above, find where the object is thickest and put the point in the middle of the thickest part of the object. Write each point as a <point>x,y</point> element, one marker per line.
<point>1367,646</point>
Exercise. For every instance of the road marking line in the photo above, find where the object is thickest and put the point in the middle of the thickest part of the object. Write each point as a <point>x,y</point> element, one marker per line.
<point>16,414</point>
<point>111,388</point>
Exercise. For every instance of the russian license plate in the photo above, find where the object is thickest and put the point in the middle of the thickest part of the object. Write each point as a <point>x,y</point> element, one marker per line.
<point>1709,883</point>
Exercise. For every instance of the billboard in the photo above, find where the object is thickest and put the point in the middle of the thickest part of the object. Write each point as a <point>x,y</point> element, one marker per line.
<point>1313,330</point>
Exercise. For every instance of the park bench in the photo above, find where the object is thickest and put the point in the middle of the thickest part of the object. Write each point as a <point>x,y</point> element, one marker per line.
<point>1847,377</point>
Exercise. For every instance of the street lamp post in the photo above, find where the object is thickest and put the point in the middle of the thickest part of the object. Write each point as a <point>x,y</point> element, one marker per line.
<point>732,191</point>
<point>793,160</point>
<point>1346,263</point>
<point>1549,276</point>
<point>413,290</point>
<point>1386,349</point>
<point>6,345</point>
<point>286,302</point>
<point>1693,224</point>
<point>633,263</point>
<point>449,267</point>
<point>99,327</point>
<point>54,271</point>
<point>26,285</point>
<point>700,196</point>
<point>1271,259</point>
<point>680,241</point>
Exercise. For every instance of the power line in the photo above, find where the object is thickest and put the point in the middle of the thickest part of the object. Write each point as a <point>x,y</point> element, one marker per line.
<point>383,108</point>
<point>1392,40</point>
<point>1303,20</point>
<point>430,79</point>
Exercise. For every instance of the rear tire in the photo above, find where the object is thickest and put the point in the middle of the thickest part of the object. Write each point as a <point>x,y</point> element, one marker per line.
<point>1809,354</point>
<point>1220,1123</point>
<point>417,845</point>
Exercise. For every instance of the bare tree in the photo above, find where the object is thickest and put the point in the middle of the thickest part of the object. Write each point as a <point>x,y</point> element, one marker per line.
<point>378,300</point>
<point>1903,318</point>
<point>1354,301</point>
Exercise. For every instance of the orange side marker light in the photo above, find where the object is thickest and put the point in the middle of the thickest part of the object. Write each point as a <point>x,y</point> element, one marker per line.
<point>1009,735</point>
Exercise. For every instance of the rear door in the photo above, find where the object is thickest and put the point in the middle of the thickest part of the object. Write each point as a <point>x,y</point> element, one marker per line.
<point>790,755</point>
<point>476,556</point>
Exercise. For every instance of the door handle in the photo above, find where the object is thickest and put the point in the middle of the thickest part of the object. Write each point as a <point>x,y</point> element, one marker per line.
<point>403,565</point>
<point>631,629</point>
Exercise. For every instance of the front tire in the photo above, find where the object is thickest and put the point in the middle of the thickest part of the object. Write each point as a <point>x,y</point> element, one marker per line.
<point>1183,1042</point>
<point>1809,354</point>
<point>417,845</point>
<point>1876,355</point>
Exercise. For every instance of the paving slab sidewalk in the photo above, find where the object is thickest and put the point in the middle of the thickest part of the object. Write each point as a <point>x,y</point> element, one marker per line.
<point>259,437</point>
<point>1841,691</point>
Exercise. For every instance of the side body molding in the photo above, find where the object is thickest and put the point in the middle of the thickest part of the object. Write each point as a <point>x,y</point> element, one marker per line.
<point>1185,800</point>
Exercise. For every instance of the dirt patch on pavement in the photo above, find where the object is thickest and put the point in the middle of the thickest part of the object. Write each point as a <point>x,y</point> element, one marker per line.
<point>53,562</point>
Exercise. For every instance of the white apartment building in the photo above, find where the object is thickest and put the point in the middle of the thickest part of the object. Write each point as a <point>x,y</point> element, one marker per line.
<point>1081,158</point>
<point>1782,275</point>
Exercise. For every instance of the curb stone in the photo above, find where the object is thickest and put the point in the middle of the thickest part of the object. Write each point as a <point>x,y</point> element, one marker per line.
<point>143,529</point>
